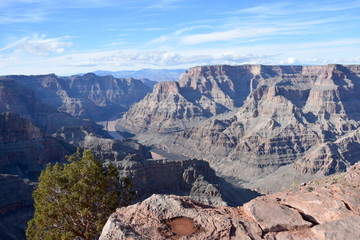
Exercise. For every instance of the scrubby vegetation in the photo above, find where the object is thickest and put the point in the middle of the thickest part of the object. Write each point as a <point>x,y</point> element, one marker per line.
<point>73,201</point>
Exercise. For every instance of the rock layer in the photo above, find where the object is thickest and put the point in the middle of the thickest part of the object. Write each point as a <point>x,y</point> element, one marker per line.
<point>321,210</point>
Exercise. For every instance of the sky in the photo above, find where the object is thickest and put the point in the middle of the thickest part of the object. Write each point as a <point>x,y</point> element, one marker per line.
<point>66,37</point>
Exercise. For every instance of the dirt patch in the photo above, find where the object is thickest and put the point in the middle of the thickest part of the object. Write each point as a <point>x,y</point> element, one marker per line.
<point>182,226</point>
<point>179,227</point>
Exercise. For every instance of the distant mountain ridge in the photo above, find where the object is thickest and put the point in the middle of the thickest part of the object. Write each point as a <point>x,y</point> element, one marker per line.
<point>88,96</point>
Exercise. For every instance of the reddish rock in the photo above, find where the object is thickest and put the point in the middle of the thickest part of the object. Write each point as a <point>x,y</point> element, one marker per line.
<point>321,212</point>
<point>275,217</point>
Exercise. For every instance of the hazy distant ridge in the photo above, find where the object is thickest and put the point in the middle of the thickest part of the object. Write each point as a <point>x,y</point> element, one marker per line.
<point>157,75</point>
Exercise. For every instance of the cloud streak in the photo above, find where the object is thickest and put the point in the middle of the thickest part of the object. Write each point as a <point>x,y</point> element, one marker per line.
<point>39,45</point>
<point>237,33</point>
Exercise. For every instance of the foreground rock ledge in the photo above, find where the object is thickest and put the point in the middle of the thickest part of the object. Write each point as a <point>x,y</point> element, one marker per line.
<point>323,209</point>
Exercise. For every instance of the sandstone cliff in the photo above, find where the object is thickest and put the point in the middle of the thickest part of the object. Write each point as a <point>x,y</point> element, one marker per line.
<point>325,209</point>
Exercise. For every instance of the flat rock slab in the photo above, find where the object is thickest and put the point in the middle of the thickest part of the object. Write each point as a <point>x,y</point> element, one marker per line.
<point>275,217</point>
<point>344,229</point>
<point>320,208</point>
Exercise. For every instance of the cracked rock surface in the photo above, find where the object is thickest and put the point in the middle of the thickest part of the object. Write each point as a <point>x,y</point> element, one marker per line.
<point>327,208</point>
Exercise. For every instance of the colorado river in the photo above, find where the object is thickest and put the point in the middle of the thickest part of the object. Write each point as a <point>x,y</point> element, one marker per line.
<point>110,127</point>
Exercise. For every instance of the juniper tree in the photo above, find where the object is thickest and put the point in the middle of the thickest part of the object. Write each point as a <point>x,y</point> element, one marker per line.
<point>73,201</point>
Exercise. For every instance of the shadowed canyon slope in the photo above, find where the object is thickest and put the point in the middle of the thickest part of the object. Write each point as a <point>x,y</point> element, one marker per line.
<point>255,119</point>
<point>24,152</point>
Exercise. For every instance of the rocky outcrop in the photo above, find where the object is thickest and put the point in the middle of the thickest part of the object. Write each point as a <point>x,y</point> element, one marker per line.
<point>88,96</point>
<point>325,209</point>
<point>114,150</point>
<point>289,114</point>
<point>189,177</point>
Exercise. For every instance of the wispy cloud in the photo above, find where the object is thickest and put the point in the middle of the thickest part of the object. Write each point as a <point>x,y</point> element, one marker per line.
<point>290,8</point>
<point>27,11</point>
<point>163,5</point>
<point>117,43</point>
<point>39,45</point>
<point>267,21</point>
<point>175,36</point>
<point>231,35</point>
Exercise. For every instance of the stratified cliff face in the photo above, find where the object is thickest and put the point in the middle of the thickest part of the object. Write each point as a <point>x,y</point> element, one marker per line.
<point>200,93</point>
<point>24,148</point>
<point>288,111</point>
<point>324,209</point>
<point>163,110</point>
<point>17,99</point>
<point>89,96</point>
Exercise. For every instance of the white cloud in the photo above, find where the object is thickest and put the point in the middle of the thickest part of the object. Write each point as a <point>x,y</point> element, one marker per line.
<point>28,11</point>
<point>290,60</point>
<point>163,5</point>
<point>231,35</point>
<point>39,45</point>
<point>288,8</point>
<point>174,36</point>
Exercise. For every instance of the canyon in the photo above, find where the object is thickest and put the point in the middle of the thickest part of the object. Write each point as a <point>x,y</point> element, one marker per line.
<point>215,139</point>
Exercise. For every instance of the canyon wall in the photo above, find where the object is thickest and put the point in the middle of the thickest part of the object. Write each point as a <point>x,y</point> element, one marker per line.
<point>250,120</point>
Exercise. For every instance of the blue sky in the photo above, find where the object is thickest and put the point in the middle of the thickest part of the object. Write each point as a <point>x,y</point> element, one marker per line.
<point>74,36</point>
